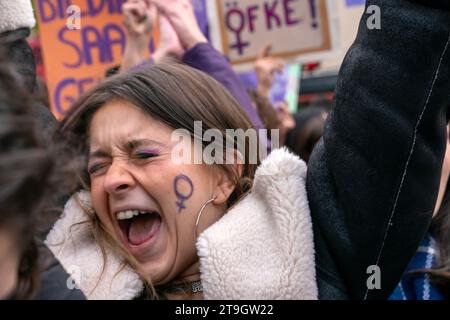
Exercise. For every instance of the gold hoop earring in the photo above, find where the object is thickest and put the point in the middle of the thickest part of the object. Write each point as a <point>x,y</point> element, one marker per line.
<point>200,214</point>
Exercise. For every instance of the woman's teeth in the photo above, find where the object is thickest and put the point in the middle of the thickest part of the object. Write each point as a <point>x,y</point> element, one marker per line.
<point>128,214</point>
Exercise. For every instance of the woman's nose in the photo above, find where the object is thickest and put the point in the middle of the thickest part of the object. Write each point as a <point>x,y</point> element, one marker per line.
<point>118,179</point>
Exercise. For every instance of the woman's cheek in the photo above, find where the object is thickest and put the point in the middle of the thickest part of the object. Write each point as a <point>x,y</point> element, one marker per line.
<point>95,197</point>
<point>99,203</point>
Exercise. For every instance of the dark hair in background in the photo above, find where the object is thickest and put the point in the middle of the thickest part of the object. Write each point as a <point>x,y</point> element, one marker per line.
<point>25,171</point>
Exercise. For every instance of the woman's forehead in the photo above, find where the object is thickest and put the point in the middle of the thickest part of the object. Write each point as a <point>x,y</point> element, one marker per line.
<point>120,123</point>
<point>117,112</point>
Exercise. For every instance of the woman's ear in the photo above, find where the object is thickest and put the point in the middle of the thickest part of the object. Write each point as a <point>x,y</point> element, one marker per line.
<point>225,185</point>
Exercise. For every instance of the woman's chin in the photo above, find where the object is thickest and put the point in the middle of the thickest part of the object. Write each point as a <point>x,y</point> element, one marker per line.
<point>154,264</point>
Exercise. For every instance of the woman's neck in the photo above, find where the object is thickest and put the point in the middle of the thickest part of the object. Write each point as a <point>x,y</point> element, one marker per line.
<point>190,275</point>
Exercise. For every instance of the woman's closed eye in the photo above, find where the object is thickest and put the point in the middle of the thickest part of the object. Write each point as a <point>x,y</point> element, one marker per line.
<point>97,168</point>
<point>143,155</point>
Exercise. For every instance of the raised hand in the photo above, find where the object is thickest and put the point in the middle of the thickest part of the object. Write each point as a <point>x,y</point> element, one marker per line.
<point>169,43</point>
<point>139,19</point>
<point>266,66</point>
<point>181,15</point>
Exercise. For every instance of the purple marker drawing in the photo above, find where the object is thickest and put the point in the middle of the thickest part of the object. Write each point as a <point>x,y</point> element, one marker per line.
<point>182,197</point>
<point>313,7</point>
<point>271,15</point>
<point>288,11</point>
<point>239,45</point>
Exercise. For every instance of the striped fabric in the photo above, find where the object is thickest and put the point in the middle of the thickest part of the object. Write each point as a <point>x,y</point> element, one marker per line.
<point>418,286</point>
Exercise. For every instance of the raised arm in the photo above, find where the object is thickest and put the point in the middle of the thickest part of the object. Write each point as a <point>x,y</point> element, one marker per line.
<point>201,55</point>
<point>207,59</point>
<point>374,179</point>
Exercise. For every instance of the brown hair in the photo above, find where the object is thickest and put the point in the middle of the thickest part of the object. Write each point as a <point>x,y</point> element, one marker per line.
<point>174,94</point>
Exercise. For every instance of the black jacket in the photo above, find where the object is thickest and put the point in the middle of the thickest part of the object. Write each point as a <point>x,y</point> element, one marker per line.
<point>373,180</point>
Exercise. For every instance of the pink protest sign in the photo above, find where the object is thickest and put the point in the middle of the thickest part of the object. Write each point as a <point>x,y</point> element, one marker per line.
<point>295,28</point>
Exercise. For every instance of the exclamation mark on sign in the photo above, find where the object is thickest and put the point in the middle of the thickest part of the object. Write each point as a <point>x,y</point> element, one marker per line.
<point>313,7</point>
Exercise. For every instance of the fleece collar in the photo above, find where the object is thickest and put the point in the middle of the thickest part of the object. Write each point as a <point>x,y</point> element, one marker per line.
<point>260,249</point>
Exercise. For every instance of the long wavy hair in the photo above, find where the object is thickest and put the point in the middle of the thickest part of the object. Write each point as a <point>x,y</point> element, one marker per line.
<point>176,95</point>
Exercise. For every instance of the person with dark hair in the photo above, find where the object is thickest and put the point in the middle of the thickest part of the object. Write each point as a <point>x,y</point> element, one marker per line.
<point>25,171</point>
<point>16,19</point>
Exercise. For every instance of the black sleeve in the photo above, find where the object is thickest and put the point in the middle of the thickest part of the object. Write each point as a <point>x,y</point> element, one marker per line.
<point>373,180</point>
<point>53,279</point>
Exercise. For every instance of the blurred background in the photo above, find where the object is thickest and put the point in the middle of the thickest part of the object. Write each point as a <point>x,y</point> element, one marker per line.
<point>72,60</point>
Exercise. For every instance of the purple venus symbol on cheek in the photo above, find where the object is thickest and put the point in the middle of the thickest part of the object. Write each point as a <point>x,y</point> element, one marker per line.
<point>184,188</point>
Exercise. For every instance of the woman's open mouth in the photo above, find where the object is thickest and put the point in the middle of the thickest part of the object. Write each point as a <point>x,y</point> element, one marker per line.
<point>138,227</point>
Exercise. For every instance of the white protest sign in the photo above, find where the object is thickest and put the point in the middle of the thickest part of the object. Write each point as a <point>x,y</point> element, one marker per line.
<point>299,30</point>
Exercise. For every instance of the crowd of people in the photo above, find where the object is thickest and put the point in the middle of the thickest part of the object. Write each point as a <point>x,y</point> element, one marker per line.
<point>353,203</point>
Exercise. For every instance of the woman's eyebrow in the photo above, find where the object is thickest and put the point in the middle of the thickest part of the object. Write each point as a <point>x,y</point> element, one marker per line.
<point>136,143</point>
<point>99,154</point>
<point>128,146</point>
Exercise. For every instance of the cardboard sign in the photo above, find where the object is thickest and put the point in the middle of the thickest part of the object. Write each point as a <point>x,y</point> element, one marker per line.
<point>295,28</point>
<point>80,40</point>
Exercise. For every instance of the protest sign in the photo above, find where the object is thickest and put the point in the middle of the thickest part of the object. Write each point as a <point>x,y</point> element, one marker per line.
<point>296,29</point>
<point>80,40</point>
